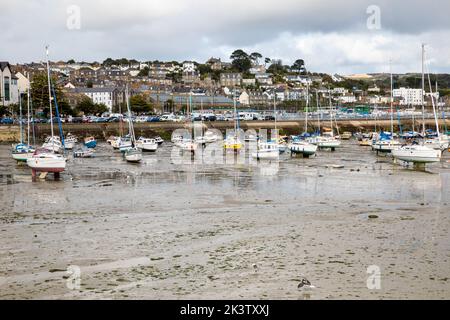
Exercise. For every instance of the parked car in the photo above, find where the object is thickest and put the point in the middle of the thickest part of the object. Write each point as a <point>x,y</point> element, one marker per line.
<point>113,119</point>
<point>55,120</point>
<point>209,117</point>
<point>269,118</point>
<point>153,119</point>
<point>77,120</point>
<point>7,121</point>
<point>141,119</point>
<point>101,120</point>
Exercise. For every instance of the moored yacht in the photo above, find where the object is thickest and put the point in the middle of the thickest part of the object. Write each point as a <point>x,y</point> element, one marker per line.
<point>417,154</point>
<point>146,144</point>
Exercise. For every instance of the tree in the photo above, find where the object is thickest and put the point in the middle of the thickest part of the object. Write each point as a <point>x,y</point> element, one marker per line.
<point>241,60</point>
<point>299,66</point>
<point>71,61</point>
<point>266,61</point>
<point>144,72</point>
<point>140,104</point>
<point>86,105</point>
<point>39,93</point>
<point>255,56</point>
<point>89,84</point>
<point>276,68</point>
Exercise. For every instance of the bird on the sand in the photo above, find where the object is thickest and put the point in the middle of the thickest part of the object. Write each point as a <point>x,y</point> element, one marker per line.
<point>305,287</point>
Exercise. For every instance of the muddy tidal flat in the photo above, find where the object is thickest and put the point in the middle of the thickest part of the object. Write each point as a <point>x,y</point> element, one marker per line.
<point>161,230</point>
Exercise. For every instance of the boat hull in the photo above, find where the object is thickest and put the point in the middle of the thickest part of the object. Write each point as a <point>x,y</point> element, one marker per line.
<point>149,147</point>
<point>133,156</point>
<point>305,149</point>
<point>417,156</point>
<point>266,155</point>
<point>22,156</point>
<point>46,164</point>
<point>91,144</point>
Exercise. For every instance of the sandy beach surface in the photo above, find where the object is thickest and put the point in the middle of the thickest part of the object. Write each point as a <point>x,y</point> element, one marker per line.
<point>160,230</point>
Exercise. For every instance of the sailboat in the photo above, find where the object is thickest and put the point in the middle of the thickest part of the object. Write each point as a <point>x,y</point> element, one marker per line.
<point>301,146</point>
<point>441,141</point>
<point>233,142</point>
<point>45,160</point>
<point>416,153</point>
<point>133,154</point>
<point>21,151</point>
<point>268,150</point>
<point>327,140</point>
<point>386,142</point>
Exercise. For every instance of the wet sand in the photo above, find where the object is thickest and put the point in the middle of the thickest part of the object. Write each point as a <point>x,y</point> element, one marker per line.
<point>158,230</point>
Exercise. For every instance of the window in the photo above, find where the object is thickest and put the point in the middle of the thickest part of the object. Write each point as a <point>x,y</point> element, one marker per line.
<point>7,93</point>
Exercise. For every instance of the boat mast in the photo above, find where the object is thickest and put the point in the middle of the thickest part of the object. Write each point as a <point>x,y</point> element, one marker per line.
<point>423,90</point>
<point>28,110</point>
<point>275,115</point>
<point>307,105</point>
<point>318,112</point>
<point>331,112</point>
<point>49,96</point>
<point>392,101</point>
<point>20,116</point>
<point>130,120</point>
<point>434,106</point>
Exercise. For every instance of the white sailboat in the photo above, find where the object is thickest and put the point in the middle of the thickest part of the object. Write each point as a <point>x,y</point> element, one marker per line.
<point>133,154</point>
<point>233,142</point>
<point>21,151</point>
<point>269,150</point>
<point>327,140</point>
<point>387,143</point>
<point>303,147</point>
<point>45,160</point>
<point>266,151</point>
<point>421,154</point>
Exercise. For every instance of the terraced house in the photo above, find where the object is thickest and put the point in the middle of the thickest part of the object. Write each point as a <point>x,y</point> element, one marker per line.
<point>8,85</point>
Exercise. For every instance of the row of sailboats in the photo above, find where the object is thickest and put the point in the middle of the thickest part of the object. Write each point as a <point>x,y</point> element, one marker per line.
<point>430,150</point>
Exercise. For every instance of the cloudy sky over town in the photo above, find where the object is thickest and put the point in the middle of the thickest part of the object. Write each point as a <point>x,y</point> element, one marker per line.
<point>331,36</point>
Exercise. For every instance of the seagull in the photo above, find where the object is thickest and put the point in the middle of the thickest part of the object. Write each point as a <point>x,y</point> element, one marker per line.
<point>306,288</point>
<point>255,267</point>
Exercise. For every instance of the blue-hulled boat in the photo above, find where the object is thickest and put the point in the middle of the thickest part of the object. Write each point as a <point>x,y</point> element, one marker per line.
<point>90,142</point>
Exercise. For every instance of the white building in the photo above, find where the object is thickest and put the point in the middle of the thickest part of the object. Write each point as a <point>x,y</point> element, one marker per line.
<point>105,95</point>
<point>22,82</point>
<point>408,96</point>
<point>8,85</point>
<point>347,99</point>
<point>244,98</point>
<point>189,66</point>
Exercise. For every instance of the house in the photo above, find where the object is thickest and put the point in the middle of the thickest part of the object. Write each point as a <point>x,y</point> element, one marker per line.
<point>190,77</point>
<point>230,79</point>
<point>8,85</point>
<point>214,63</point>
<point>22,82</point>
<point>248,82</point>
<point>305,80</point>
<point>264,78</point>
<point>108,96</point>
<point>189,66</point>
<point>244,98</point>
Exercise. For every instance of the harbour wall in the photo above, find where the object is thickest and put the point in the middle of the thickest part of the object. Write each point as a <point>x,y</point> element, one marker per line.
<point>165,129</point>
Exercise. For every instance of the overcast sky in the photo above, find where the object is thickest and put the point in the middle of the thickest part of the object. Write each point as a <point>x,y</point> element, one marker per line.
<point>331,36</point>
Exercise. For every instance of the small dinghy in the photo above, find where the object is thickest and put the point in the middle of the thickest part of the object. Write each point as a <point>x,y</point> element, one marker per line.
<point>83,152</point>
